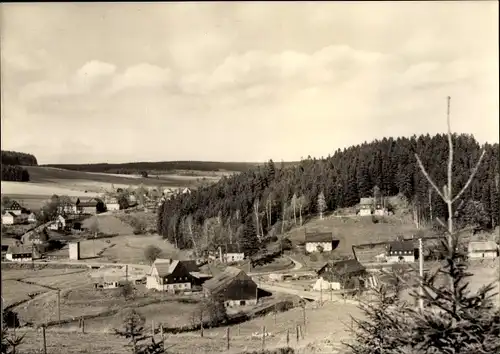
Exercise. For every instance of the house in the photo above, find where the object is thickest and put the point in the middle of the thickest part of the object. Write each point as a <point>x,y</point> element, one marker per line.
<point>112,278</point>
<point>186,191</point>
<point>231,253</point>
<point>13,207</point>
<point>58,224</point>
<point>19,253</point>
<point>38,236</point>
<point>169,275</point>
<point>112,204</point>
<point>32,219</point>
<point>131,200</point>
<point>10,218</point>
<point>91,206</point>
<point>365,206</point>
<point>320,242</point>
<point>198,278</point>
<point>483,249</point>
<point>346,274</point>
<point>400,251</point>
<point>68,206</point>
<point>233,286</point>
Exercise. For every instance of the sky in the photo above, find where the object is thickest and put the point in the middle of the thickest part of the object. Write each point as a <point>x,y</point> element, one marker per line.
<point>235,81</point>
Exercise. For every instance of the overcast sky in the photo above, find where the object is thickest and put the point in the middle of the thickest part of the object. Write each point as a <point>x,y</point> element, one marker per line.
<point>111,82</point>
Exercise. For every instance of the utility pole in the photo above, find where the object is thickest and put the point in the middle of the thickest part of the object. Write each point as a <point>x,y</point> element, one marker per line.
<point>421,268</point>
<point>59,305</point>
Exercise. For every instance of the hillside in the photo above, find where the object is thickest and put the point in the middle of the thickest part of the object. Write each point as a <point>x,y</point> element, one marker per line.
<point>12,162</point>
<point>162,166</point>
<point>343,178</point>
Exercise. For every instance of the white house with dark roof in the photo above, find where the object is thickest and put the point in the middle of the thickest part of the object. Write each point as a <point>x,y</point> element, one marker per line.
<point>10,218</point>
<point>13,207</point>
<point>19,253</point>
<point>169,275</point>
<point>400,251</point>
<point>232,252</point>
<point>319,241</point>
<point>482,249</point>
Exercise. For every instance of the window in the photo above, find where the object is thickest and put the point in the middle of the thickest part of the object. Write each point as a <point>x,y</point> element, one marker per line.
<point>242,303</point>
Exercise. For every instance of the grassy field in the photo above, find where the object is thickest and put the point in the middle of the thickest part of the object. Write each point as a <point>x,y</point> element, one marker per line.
<point>14,291</point>
<point>324,324</point>
<point>46,181</point>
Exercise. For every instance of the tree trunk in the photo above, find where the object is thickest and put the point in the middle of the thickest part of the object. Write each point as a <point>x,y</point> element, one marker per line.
<point>300,214</point>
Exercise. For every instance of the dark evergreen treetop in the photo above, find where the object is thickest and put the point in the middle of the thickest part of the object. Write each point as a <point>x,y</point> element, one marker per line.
<point>344,178</point>
<point>18,158</point>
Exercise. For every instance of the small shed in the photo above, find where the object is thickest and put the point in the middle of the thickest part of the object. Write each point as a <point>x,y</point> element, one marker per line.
<point>320,242</point>
<point>483,249</point>
<point>365,206</point>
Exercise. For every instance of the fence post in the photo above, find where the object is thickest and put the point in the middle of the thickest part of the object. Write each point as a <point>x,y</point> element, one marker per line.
<point>227,337</point>
<point>297,332</point>
<point>263,337</point>
<point>44,340</point>
<point>287,337</point>
<point>161,332</point>
<point>153,329</point>
<point>83,325</point>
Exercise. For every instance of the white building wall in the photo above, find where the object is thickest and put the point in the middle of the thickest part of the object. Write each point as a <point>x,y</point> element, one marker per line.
<point>234,303</point>
<point>113,206</point>
<point>313,246</point>
<point>325,285</point>
<point>7,220</point>
<point>17,212</point>
<point>9,257</point>
<point>365,212</point>
<point>395,258</point>
<point>152,283</point>
<point>234,257</point>
<point>480,255</point>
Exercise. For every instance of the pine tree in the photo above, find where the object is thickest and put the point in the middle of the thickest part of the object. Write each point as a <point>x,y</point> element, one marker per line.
<point>249,240</point>
<point>133,330</point>
<point>455,321</point>
<point>321,204</point>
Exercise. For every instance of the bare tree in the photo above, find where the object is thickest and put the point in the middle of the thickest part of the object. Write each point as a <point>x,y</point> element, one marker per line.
<point>321,205</point>
<point>256,213</point>
<point>447,195</point>
<point>294,206</point>
<point>189,223</point>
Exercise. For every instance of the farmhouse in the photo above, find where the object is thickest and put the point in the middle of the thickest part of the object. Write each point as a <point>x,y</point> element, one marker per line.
<point>347,274</point>
<point>169,275</point>
<point>320,242</point>
<point>365,206</point>
<point>13,206</point>
<point>19,253</point>
<point>91,206</point>
<point>483,249</point>
<point>198,278</point>
<point>233,286</point>
<point>400,251</point>
<point>10,218</point>
<point>39,236</point>
<point>112,204</point>
<point>232,253</point>
<point>68,206</point>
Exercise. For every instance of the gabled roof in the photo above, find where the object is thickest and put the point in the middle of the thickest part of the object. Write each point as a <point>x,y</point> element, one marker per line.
<point>345,267</point>
<point>400,246</point>
<point>89,203</point>
<point>12,205</point>
<point>481,246</point>
<point>223,279</point>
<point>190,266</point>
<point>165,267</point>
<point>319,237</point>
<point>9,213</point>
<point>19,249</point>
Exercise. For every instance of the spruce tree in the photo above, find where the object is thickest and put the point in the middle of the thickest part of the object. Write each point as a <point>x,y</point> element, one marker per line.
<point>455,320</point>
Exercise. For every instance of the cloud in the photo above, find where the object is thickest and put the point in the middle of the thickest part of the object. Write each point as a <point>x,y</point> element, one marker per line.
<point>143,75</point>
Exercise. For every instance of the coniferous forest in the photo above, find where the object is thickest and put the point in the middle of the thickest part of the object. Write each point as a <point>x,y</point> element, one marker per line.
<point>268,193</point>
<point>11,165</point>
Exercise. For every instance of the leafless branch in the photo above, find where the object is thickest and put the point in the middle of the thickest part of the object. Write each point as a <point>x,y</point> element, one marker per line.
<point>474,171</point>
<point>429,178</point>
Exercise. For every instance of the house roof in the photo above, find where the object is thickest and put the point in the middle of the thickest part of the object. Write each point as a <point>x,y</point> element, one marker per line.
<point>319,237</point>
<point>9,213</point>
<point>12,204</point>
<point>344,267</point>
<point>366,201</point>
<point>88,203</point>
<point>402,246</point>
<point>19,249</point>
<point>222,280</point>
<point>481,246</point>
<point>165,267</point>
<point>190,266</point>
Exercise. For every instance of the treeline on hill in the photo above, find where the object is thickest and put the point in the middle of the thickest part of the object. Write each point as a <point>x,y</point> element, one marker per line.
<point>267,199</point>
<point>137,167</point>
<point>11,165</point>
